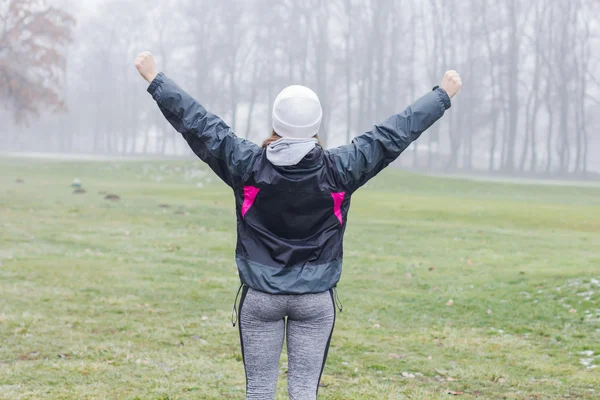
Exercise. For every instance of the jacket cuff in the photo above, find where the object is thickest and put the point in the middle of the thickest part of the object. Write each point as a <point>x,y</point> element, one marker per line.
<point>155,84</point>
<point>443,96</point>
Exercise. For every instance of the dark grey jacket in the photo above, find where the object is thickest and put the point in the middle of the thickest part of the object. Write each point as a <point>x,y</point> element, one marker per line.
<point>291,220</point>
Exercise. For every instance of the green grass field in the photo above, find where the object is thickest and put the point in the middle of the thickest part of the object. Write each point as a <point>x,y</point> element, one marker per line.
<point>132,299</point>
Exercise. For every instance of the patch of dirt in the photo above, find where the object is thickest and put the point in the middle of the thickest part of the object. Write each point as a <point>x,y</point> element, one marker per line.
<point>34,355</point>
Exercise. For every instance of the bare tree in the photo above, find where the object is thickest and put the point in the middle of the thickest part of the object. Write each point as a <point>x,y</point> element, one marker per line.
<point>531,72</point>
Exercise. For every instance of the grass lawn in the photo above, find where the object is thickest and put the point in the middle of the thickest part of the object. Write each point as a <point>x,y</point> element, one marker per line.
<point>489,289</point>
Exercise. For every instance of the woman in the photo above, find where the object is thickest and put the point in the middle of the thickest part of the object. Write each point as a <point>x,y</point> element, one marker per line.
<point>292,199</point>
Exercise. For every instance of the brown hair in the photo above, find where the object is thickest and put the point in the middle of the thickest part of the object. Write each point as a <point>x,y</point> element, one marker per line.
<point>275,137</point>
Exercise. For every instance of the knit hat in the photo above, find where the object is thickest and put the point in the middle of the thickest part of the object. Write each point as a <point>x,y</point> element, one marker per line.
<point>297,113</point>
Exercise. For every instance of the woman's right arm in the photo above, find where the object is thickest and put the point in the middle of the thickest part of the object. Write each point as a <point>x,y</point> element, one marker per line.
<point>372,151</point>
<point>229,156</point>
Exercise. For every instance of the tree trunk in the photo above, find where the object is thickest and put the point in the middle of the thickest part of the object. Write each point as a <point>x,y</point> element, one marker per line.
<point>348,66</point>
<point>513,90</point>
<point>549,151</point>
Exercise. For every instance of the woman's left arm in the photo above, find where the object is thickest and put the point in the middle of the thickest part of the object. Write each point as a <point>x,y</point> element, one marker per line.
<point>372,151</point>
<point>207,135</point>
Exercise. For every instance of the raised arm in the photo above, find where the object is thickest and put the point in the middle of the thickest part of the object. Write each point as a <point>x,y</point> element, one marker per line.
<point>372,151</point>
<point>207,135</point>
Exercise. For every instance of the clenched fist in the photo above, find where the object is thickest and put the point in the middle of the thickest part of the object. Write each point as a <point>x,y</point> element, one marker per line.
<point>451,83</point>
<point>146,66</point>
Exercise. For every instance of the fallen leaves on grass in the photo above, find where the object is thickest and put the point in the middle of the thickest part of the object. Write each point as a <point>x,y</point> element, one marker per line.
<point>394,355</point>
<point>172,248</point>
<point>30,356</point>
<point>441,378</point>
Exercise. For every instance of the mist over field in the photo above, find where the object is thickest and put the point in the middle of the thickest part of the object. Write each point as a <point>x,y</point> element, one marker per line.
<point>531,74</point>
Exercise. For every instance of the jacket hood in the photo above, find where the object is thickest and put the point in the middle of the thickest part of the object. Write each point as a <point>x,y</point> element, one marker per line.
<point>286,152</point>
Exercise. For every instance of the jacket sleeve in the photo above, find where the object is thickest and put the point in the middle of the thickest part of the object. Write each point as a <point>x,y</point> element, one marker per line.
<point>372,151</point>
<point>229,156</point>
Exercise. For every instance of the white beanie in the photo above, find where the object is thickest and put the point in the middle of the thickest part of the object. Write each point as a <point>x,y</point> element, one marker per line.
<point>297,113</point>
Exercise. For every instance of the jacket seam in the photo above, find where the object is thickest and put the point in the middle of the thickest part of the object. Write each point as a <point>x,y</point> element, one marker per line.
<point>347,187</point>
<point>339,259</point>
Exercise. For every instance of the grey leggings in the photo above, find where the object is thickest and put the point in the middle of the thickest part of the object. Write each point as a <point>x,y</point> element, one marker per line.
<point>310,321</point>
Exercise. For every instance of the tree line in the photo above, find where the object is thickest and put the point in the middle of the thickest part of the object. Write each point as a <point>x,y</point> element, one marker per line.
<point>531,74</point>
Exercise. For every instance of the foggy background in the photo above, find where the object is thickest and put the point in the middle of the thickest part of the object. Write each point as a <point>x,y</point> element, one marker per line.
<point>530,102</point>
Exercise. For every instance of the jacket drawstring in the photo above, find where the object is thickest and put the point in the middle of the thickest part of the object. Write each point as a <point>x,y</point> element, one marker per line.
<point>336,300</point>
<point>234,313</point>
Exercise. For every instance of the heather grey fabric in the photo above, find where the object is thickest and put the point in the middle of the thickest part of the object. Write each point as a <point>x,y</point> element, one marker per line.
<point>285,152</point>
<point>308,321</point>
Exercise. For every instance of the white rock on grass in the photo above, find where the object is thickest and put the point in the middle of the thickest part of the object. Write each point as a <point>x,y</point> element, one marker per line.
<point>587,362</point>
